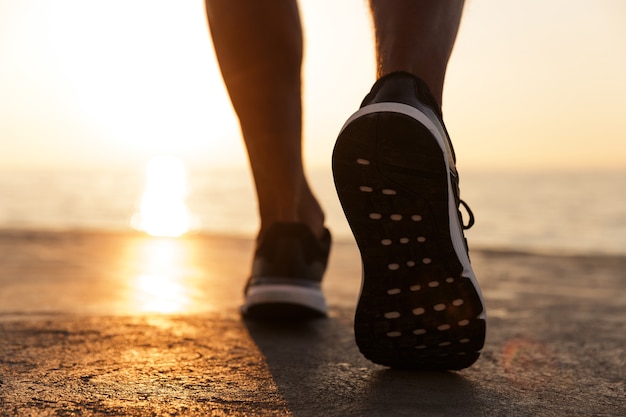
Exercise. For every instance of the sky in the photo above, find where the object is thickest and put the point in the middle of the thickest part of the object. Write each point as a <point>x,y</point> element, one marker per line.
<point>531,84</point>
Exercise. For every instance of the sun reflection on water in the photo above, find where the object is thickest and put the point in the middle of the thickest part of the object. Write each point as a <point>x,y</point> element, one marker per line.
<point>164,283</point>
<point>163,210</point>
<point>160,294</point>
<point>165,274</point>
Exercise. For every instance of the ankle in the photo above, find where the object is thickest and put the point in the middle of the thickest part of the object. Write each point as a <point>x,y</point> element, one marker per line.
<point>312,215</point>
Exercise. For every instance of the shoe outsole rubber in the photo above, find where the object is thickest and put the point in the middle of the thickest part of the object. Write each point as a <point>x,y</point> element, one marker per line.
<point>284,302</point>
<point>420,306</point>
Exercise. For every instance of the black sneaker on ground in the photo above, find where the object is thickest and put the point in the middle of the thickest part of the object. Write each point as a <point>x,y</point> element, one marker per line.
<point>287,271</point>
<point>420,306</point>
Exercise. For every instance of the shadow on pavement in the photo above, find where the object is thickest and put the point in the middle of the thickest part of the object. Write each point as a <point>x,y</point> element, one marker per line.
<point>319,371</point>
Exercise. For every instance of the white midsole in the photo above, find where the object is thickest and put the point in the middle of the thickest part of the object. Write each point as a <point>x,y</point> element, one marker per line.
<point>438,132</point>
<point>290,294</point>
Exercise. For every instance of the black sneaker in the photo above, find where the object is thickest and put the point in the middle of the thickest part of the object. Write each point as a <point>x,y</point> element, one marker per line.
<point>287,271</point>
<point>420,305</point>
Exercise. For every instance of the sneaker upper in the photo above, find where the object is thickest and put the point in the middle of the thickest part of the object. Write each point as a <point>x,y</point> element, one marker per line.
<point>402,87</point>
<point>289,253</point>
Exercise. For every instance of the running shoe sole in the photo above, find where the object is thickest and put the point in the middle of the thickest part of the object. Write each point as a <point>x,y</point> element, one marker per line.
<point>420,306</point>
<point>284,302</point>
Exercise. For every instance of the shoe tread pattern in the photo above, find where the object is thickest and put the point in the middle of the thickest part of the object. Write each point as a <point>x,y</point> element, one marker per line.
<point>416,309</point>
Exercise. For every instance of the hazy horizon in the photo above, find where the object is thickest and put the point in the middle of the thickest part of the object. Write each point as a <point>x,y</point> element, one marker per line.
<point>569,212</point>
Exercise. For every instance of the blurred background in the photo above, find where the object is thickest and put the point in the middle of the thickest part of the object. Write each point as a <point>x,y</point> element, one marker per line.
<point>113,116</point>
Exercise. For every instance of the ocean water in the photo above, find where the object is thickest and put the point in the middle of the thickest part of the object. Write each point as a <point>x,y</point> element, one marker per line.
<point>559,212</point>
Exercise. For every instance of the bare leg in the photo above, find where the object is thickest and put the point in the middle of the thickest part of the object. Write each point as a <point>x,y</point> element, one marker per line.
<point>259,49</point>
<point>416,36</point>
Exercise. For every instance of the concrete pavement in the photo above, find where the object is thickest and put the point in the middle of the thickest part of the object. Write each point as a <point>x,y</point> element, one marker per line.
<point>122,324</point>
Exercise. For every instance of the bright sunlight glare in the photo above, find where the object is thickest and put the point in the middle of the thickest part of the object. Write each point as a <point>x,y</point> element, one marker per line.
<point>162,283</point>
<point>160,294</point>
<point>163,210</point>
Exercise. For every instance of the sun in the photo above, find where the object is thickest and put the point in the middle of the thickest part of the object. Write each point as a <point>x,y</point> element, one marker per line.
<point>163,210</point>
<point>139,87</point>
